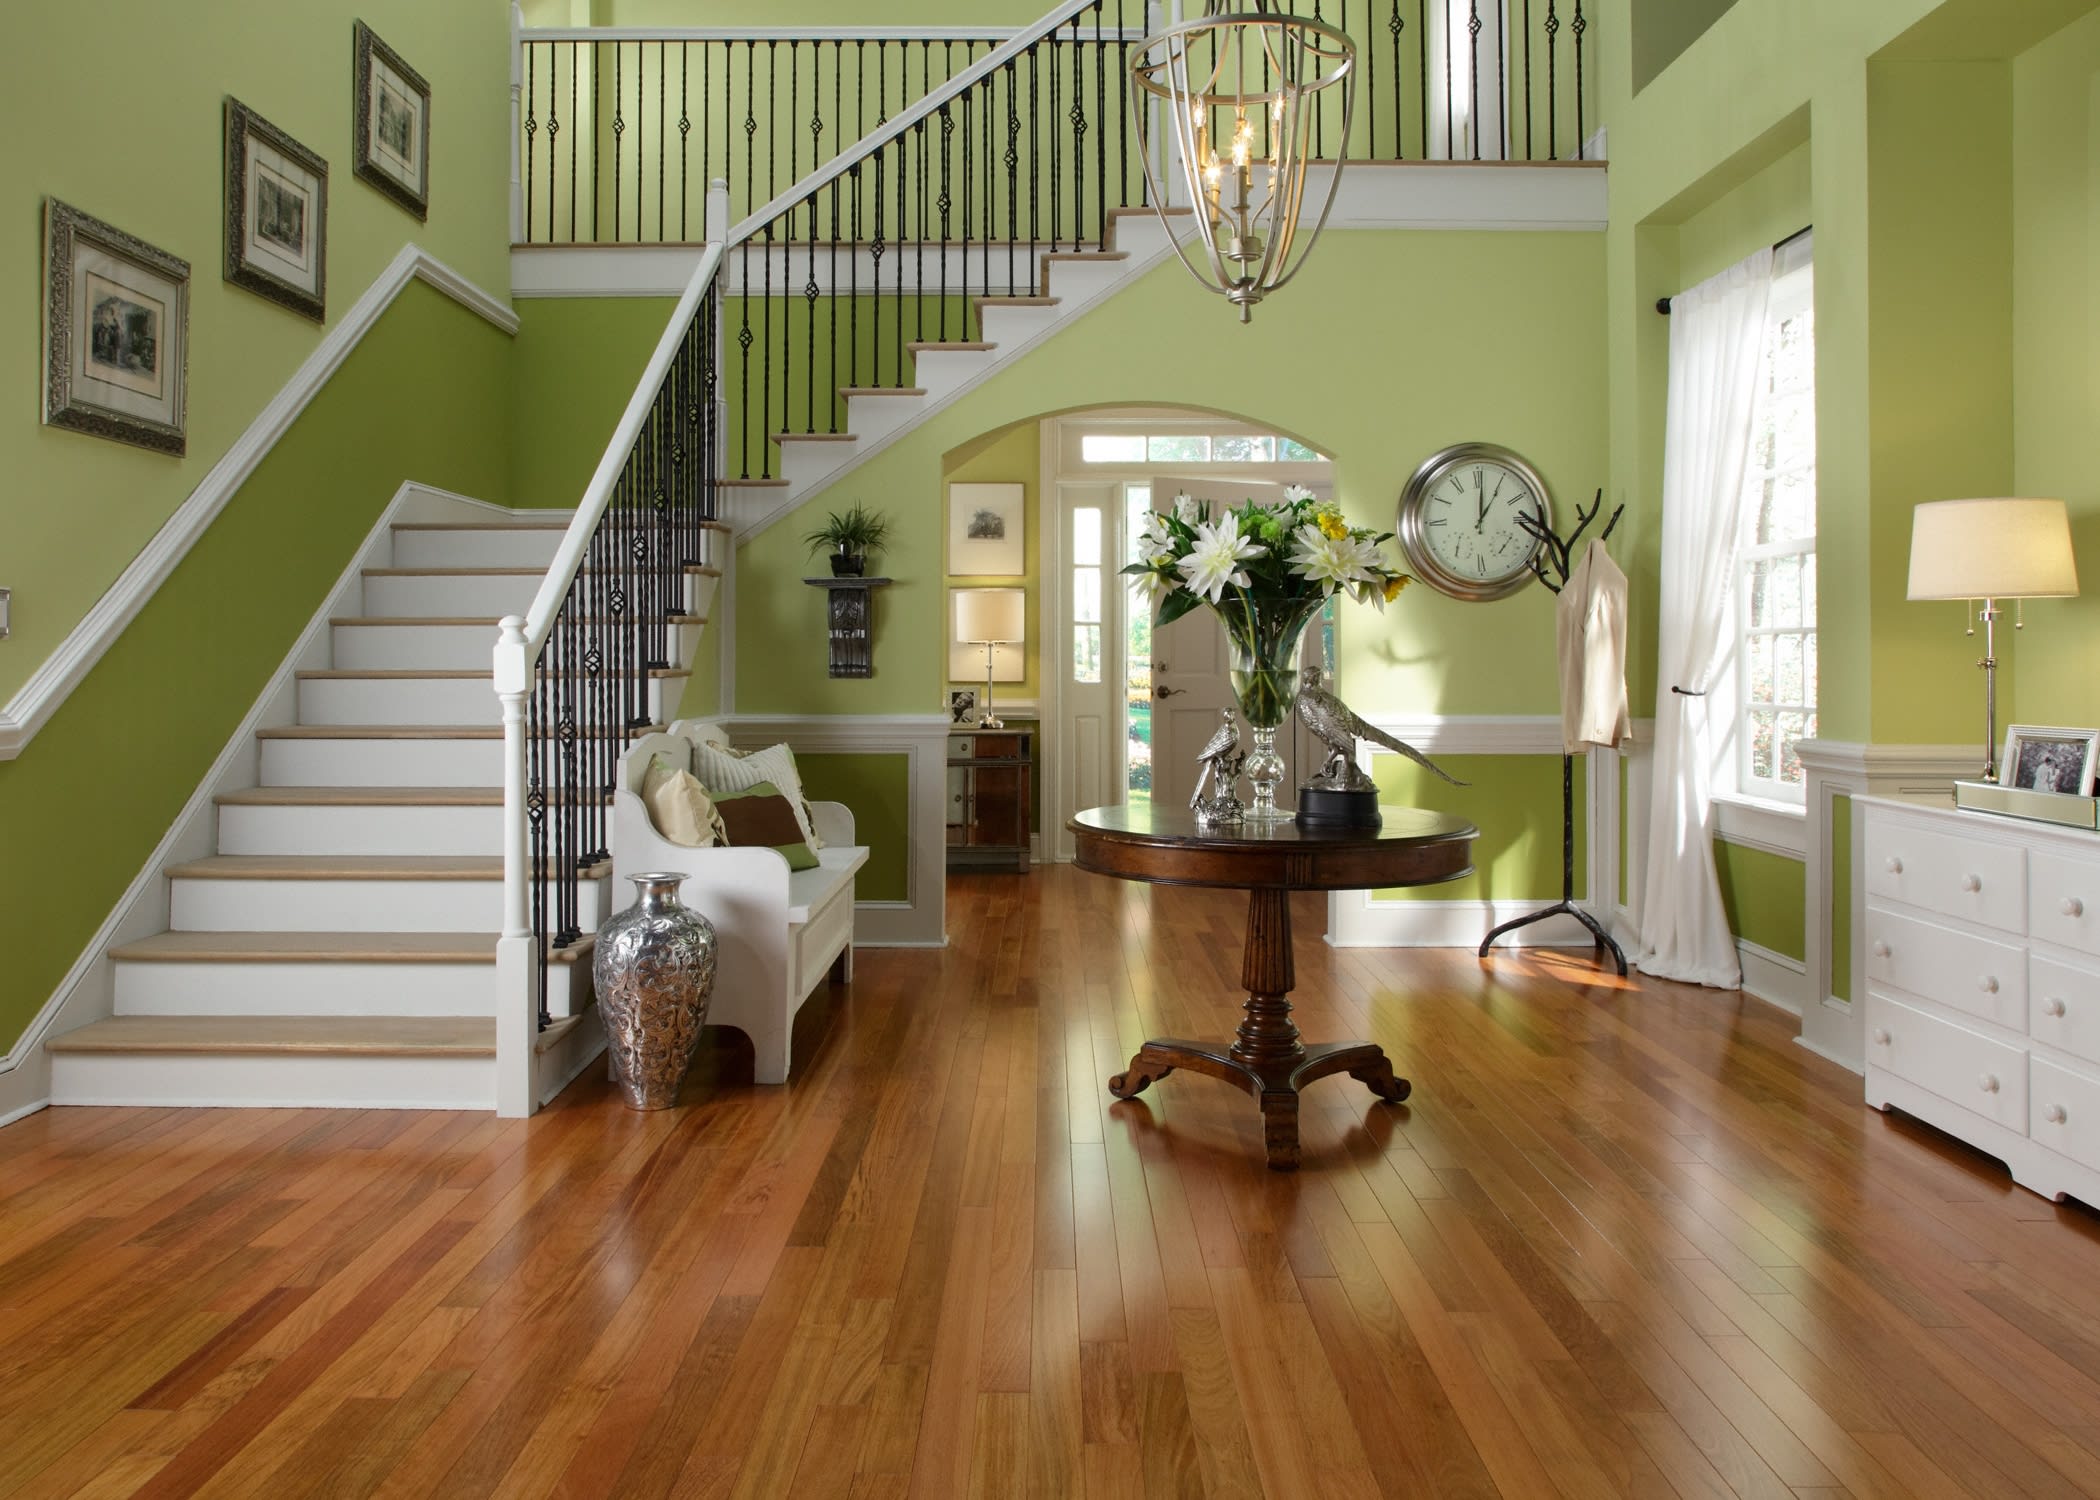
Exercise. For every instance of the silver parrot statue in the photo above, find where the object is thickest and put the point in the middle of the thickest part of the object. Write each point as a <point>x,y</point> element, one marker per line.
<point>1220,758</point>
<point>1338,726</point>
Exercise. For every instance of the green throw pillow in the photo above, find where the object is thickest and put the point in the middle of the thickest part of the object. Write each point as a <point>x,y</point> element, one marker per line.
<point>761,817</point>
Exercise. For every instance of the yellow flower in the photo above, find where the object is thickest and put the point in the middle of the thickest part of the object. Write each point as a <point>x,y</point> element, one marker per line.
<point>1332,526</point>
<point>1395,584</point>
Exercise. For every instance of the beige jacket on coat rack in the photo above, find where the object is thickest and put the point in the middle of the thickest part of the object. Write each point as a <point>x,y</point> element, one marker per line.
<point>1590,626</point>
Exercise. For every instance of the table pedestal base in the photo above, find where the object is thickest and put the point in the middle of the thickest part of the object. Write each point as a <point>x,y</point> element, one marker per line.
<point>1275,1082</point>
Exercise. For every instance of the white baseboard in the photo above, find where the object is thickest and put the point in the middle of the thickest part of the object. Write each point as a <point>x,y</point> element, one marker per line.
<point>26,1089</point>
<point>1356,919</point>
<point>1849,1064</point>
<point>85,994</point>
<point>1773,977</point>
<point>39,698</point>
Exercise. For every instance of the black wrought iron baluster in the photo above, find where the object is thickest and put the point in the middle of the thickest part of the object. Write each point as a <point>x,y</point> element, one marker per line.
<point>794,109</point>
<point>685,130</point>
<point>1012,159</point>
<point>751,199</point>
<point>945,203</point>
<point>1055,130</point>
<point>1422,78</point>
<point>1473,75</point>
<point>595,153</point>
<point>537,726</point>
<point>925,223</point>
<point>554,137</point>
<point>1034,176</point>
<point>832,300</point>
<point>1576,28</point>
<point>1319,115</point>
<point>988,196</point>
<point>743,343</point>
<point>619,130</point>
<point>1527,80</point>
<point>1077,116</point>
<point>809,363</point>
<point>531,133</point>
<point>902,166</point>
<point>663,138</point>
<point>1100,132</point>
<point>1123,92</point>
<point>1552,91</point>
<point>767,429</point>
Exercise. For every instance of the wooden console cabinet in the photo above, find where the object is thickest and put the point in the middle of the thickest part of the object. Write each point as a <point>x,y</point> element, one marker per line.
<point>990,798</point>
<point>1982,939</point>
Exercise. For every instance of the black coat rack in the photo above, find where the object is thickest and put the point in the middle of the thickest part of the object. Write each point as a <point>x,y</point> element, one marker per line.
<point>1558,554</point>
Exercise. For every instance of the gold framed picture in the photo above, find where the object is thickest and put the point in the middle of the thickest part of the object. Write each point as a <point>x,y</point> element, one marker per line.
<point>116,333</point>
<point>276,214</point>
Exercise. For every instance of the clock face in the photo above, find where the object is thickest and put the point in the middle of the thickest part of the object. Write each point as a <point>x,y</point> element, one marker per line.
<point>1461,520</point>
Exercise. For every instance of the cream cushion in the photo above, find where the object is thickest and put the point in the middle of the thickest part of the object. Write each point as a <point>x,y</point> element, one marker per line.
<point>679,807</point>
<point>727,770</point>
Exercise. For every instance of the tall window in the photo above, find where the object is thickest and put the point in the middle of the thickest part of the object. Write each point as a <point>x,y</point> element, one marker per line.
<point>1086,594</point>
<point>1776,563</point>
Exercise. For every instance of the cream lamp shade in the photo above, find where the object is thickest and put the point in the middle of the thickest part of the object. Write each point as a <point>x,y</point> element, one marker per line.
<point>1991,549</point>
<point>990,616</point>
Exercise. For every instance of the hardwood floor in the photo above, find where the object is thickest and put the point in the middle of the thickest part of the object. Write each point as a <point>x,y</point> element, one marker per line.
<point>1624,1240</point>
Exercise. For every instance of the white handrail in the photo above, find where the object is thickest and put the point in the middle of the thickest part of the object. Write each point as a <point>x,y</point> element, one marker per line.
<point>798,33</point>
<point>961,83</point>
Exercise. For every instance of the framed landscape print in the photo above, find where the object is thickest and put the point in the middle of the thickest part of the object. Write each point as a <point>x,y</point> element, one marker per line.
<point>986,530</point>
<point>276,214</point>
<point>116,332</point>
<point>2049,760</point>
<point>390,124</point>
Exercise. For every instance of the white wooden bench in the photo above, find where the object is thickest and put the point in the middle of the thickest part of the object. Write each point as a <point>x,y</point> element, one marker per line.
<point>779,932</point>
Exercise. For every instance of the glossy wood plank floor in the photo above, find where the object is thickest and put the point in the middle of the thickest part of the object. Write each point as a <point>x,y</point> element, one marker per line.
<point>1623,1241</point>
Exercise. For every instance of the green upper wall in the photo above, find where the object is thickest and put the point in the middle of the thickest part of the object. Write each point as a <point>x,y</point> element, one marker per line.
<point>1341,361</point>
<point>1011,456</point>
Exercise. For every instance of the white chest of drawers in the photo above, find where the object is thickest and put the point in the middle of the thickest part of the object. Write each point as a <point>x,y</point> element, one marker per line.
<point>1981,940</point>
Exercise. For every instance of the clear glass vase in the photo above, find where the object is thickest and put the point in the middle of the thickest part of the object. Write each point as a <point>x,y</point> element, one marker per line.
<point>1263,637</point>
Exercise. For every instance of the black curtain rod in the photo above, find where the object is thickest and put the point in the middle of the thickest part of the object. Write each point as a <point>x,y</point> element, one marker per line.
<point>1662,304</point>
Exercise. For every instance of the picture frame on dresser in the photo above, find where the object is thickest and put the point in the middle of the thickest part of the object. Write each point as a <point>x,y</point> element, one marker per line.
<point>2045,759</point>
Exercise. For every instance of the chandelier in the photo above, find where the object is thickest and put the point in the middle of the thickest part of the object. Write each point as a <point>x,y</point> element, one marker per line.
<point>1232,97</point>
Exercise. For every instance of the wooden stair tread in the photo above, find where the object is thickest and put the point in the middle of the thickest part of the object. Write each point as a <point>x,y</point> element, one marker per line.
<point>480,620</point>
<point>1014,301</point>
<point>365,796</point>
<point>310,947</point>
<point>750,484</point>
<point>414,732</point>
<point>972,346</point>
<point>814,437</point>
<point>329,674</point>
<point>882,390</point>
<point>1153,213</point>
<point>1058,255</point>
<point>361,1036</point>
<point>558,525</point>
<point>354,867</point>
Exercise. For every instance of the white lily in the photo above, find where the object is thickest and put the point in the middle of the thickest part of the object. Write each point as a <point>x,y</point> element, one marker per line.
<point>1188,510</point>
<point>1214,562</point>
<point>1296,492</point>
<point>1332,561</point>
<point>1155,540</point>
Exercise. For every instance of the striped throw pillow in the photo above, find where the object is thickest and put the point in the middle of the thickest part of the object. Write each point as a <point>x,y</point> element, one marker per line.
<point>721,770</point>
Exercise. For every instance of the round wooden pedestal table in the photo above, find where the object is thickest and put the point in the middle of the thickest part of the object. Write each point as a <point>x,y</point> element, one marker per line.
<point>1270,860</point>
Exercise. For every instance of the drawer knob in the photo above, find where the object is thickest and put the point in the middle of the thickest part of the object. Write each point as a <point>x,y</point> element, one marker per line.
<point>2052,1006</point>
<point>1895,865</point>
<point>1988,1083</point>
<point>2072,907</point>
<point>1988,984</point>
<point>1972,883</point>
<point>1881,1036</point>
<point>2056,1114</point>
<point>1881,949</point>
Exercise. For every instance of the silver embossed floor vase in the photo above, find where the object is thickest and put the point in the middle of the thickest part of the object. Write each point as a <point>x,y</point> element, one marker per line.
<point>655,971</point>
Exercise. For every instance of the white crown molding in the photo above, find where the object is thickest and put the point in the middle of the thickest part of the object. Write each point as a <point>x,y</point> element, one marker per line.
<point>39,698</point>
<point>85,993</point>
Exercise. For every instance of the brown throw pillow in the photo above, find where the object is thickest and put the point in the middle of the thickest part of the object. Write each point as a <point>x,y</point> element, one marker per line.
<point>760,817</point>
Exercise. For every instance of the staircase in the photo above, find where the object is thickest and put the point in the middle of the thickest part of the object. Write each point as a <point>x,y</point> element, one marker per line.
<point>339,947</point>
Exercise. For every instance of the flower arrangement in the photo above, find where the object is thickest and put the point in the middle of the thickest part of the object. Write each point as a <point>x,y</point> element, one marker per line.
<point>1266,570</point>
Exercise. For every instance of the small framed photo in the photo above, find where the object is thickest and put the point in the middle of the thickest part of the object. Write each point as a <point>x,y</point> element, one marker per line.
<point>2041,759</point>
<point>986,530</point>
<point>276,214</point>
<point>390,124</point>
<point>962,708</point>
<point>116,333</point>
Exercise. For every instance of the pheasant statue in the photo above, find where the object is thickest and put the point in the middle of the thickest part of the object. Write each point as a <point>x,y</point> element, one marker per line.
<point>1338,726</point>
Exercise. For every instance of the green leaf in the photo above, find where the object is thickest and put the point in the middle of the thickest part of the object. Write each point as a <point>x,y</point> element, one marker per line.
<point>1175,605</point>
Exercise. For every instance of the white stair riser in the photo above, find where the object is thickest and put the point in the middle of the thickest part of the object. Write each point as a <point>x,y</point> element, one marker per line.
<point>457,594</point>
<point>1010,326</point>
<point>304,989</point>
<point>942,373</point>
<point>806,465</point>
<point>870,417</point>
<point>411,648</point>
<point>252,829</point>
<point>423,700</point>
<point>254,1081</point>
<point>1080,280</point>
<point>382,763</point>
<point>200,904</point>
<point>511,547</point>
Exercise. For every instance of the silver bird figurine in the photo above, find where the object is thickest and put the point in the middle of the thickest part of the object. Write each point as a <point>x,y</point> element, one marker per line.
<point>1338,726</point>
<point>1223,744</point>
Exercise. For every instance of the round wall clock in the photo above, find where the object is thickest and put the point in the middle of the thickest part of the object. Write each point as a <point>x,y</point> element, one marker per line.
<point>1458,520</point>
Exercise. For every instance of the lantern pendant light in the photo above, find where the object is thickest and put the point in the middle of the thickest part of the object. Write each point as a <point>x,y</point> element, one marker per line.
<point>1232,98</point>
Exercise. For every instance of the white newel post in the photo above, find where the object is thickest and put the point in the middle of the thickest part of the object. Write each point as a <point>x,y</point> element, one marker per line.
<point>717,225</point>
<point>517,122</point>
<point>517,1004</point>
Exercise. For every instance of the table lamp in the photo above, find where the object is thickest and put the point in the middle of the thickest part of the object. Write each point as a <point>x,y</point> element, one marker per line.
<point>990,618</point>
<point>1991,550</point>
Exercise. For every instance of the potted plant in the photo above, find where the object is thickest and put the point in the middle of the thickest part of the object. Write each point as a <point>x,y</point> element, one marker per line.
<point>850,535</point>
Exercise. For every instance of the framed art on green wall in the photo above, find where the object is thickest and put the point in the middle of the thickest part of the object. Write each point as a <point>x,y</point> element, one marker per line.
<point>390,129</point>
<point>276,214</point>
<point>116,333</point>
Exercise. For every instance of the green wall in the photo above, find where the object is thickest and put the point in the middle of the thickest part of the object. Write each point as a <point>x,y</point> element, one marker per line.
<point>103,782</point>
<point>878,789</point>
<point>1010,456</point>
<point>1515,802</point>
<point>578,361</point>
<point>1762,894</point>
<point>1662,29</point>
<point>146,155</point>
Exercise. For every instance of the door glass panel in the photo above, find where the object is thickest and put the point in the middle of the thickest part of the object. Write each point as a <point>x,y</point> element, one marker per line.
<point>1137,655</point>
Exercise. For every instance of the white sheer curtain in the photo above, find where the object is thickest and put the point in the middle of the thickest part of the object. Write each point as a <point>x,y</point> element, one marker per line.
<point>1717,332</point>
